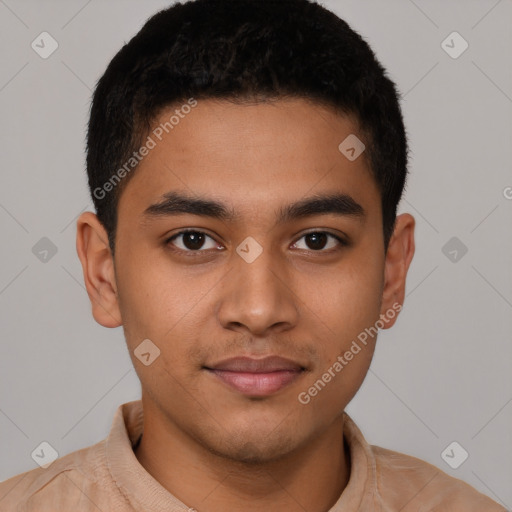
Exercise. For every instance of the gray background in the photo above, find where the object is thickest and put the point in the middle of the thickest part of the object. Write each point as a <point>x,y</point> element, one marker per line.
<point>441,374</point>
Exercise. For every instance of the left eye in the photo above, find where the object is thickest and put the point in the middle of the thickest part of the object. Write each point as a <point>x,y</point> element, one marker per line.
<point>319,240</point>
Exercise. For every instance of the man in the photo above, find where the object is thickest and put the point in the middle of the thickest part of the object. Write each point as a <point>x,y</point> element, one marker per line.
<point>246,159</point>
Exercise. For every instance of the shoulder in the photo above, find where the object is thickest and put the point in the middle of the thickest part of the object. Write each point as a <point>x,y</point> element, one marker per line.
<point>80,477</point>
<point>411,484</point>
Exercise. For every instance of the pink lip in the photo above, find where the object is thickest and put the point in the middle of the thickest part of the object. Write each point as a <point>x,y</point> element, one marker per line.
<point>257,377</point>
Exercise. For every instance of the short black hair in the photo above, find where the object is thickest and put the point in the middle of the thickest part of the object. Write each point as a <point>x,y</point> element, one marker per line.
<point>242,51</point>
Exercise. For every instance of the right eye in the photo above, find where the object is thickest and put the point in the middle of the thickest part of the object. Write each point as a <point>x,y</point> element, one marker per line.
<point>192,241</point>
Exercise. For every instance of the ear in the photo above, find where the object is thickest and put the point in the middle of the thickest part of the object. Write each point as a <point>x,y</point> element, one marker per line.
<point>98,268</point>
<point>398,258</point>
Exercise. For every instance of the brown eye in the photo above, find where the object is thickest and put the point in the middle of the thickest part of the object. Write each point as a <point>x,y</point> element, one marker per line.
<point>320,241</point>
<point>193,241</point>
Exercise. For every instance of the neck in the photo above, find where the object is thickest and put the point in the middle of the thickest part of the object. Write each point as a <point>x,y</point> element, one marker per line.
<point>311,478</point>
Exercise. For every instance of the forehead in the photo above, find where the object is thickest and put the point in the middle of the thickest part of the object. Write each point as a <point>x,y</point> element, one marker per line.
<point>250,156</point>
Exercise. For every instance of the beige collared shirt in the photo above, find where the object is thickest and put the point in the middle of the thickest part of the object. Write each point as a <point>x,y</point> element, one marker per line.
<point>107,477</point>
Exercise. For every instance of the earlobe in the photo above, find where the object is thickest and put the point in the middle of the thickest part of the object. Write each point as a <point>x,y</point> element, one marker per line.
<point>98,269</point>
<point>398,259</point>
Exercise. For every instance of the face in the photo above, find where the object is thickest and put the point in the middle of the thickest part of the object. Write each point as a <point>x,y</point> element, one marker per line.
<point>250,251</point>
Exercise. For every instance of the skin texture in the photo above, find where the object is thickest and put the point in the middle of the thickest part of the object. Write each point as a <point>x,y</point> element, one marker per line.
<point>230,451</point>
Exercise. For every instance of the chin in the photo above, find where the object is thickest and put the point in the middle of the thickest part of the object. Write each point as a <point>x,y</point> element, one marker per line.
<point>249,448</point>
<point>253,454</point>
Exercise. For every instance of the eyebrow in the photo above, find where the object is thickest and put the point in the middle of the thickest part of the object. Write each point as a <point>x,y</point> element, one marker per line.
<point>174,203</point>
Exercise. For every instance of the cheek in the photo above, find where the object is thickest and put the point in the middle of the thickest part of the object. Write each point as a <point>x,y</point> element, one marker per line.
<point>345,309</point>
<point>344,328</point>
<point>155,298</point>
<point>346,302</point>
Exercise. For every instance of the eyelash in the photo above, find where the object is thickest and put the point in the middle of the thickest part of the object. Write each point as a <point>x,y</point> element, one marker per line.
<point>168,242</point>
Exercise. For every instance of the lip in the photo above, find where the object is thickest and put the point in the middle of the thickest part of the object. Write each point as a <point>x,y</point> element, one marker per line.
<point>257,377</point>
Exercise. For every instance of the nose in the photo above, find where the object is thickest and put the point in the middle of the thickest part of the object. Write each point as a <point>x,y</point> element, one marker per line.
<point>258,297</point>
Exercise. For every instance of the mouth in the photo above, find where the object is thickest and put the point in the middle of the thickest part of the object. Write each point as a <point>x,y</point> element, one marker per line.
<point>257,377</point>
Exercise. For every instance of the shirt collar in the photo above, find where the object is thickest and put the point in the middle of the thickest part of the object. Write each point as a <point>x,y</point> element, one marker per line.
<point>145,493</point>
